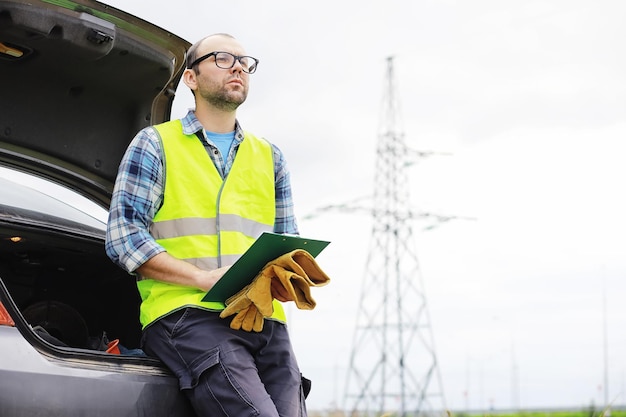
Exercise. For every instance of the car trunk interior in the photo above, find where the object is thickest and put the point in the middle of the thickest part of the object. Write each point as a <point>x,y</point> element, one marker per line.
<point>66,285</point>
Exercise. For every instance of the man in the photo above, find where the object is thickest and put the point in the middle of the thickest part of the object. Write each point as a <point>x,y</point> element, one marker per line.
<point>190,197</point>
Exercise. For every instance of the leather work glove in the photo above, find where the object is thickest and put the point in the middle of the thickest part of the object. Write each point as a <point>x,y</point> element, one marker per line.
<point>248,319</point>
<point>303,263</point>
<point>251,304</point>
<point>297,271</point>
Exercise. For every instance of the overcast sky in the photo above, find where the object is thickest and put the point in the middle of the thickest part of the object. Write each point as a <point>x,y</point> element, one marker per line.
<point>527,100</point>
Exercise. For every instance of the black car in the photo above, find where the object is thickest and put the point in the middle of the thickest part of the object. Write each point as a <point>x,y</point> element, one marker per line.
<point>78,80</point>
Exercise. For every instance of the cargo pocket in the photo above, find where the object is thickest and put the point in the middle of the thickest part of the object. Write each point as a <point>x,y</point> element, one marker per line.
<point>216,392</point>
<point>204,364</point>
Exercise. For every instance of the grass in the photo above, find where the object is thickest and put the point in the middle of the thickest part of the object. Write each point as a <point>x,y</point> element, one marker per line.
<point>582,412</point>
<point>588,412</point>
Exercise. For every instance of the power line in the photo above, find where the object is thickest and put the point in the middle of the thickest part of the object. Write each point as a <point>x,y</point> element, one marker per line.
<point>393,364</point>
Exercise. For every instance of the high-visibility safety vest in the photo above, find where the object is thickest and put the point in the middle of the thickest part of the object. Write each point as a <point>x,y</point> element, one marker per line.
<point>206,220</point>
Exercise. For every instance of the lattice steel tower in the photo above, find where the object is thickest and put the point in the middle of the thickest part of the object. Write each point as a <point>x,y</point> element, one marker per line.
<point>393,366</point>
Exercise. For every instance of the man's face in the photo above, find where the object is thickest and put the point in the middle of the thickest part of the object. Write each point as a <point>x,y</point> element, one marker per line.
<point>224,89</point>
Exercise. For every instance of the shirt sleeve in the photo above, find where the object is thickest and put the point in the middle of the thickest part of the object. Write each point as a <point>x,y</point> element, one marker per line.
<point>285,222</point>
<point>137,195</point>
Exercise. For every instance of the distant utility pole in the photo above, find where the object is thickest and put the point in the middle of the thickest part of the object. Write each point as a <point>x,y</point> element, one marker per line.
<point>393,366</point>
<point>607,404</point>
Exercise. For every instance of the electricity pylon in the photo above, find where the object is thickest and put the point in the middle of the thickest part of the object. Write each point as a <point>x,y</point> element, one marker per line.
<point>393,366</point>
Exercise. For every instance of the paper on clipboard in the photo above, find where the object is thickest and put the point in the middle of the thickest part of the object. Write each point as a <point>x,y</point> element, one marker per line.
<point>266,248</point>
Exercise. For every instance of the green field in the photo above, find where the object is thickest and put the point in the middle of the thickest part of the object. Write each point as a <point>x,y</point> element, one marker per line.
<point>583,412</point>
<point>590,412</point>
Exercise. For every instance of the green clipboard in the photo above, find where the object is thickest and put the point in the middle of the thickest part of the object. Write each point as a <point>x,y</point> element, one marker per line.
<point>267,247</point>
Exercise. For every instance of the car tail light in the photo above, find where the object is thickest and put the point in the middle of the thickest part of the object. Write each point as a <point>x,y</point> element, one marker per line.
<point>5,318</point>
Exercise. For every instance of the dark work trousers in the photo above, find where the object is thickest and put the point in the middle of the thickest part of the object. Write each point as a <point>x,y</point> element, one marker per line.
<point>226,372</point>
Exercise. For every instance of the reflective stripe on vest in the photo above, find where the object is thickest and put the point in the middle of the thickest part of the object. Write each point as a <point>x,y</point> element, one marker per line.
<point>204,219</point>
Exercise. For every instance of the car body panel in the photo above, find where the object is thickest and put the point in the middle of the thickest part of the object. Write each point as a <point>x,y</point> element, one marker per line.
<point>32,384</point>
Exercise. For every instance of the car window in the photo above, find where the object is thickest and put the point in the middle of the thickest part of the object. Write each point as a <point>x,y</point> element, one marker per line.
<point>28,192</point>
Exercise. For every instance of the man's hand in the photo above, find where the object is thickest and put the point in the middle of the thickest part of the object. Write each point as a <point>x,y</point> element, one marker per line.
<point>207,279</point>
<point>164,267</point>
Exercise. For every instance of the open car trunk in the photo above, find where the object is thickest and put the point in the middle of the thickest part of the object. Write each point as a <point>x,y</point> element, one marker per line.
<point>80,78</point>
<point>65,300</point>
<point>66,287</point>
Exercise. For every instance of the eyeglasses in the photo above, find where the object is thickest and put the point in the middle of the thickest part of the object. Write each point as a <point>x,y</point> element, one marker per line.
<point>226,60</point>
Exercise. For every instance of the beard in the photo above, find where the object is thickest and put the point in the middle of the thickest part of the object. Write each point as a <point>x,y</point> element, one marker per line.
<point>223,99</point>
